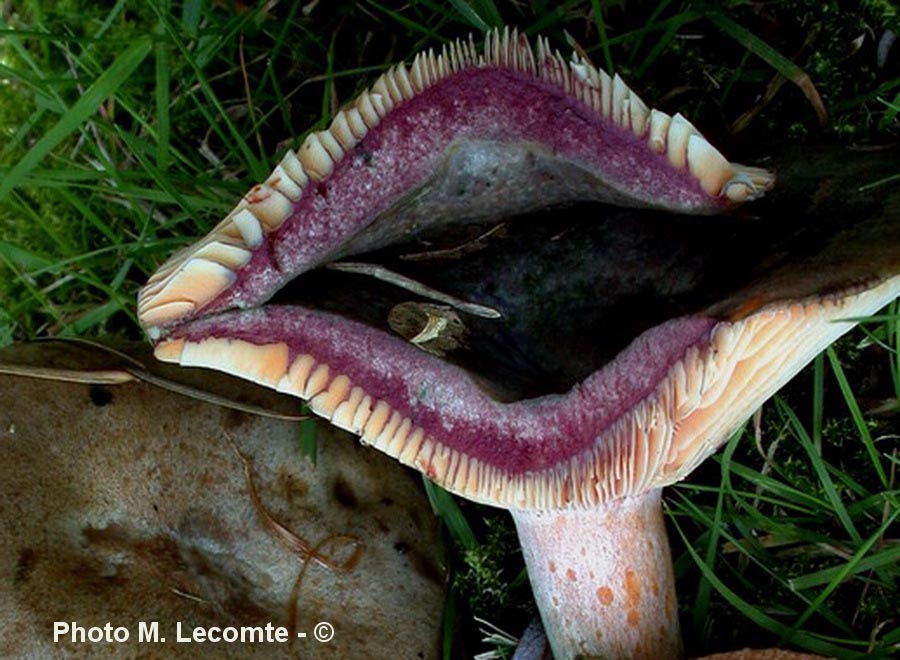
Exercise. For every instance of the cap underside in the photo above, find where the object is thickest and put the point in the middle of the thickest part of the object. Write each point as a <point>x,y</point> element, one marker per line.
<point>586,446</point>
<point>609,368</point>
<point>559,359</point>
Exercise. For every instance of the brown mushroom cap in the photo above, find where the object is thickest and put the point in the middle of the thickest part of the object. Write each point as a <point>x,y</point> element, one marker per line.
<point>127,503</point>
<point>761,654</point>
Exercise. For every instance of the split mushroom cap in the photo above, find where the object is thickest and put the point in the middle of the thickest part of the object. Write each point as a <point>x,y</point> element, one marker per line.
<point>486,135</point>
<point>621,390</point>
<point>569,364</point>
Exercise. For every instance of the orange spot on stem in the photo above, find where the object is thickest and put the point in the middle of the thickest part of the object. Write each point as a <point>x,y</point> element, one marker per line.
<point>632,597</point>
<point>605,595</point>
<point>632,588</point>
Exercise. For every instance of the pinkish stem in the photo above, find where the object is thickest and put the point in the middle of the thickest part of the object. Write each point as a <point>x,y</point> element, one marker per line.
<point>603,579</point>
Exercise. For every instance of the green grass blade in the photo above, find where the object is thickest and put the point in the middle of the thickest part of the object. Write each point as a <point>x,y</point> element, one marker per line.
<point>88,214</point>
<point>410,25</point>
<point>662,43</point>
<point>818,401</point>
<point>329,82</point>
<point>886,558</point>
<point>469,14</point>
<point>774,59</point>
<point>159,177</point>
<point>191,13</point>
<point>841,574</point>
<point>280,102</point>
<point>22,257</point>
<point>281,41</point>
<point>110,19</point>
<point>880,182</point>
<point>111,79</point>
<point>777,487</point>
<point>756,615</point>
<point>892,639</point>
<point>92,318</point>
<point>309,439</point>
<point>602,36</point>
<point>488,11</point>
<point>856,415</point>
<point>162,106</point>
<point>195,61</point>
<point>446,508</point>
<point>701,602</point>
<point>18,139</point>
<point>893,331</point>
<point>821,470</point>
<point>639,40</point>
<point>448,623</point>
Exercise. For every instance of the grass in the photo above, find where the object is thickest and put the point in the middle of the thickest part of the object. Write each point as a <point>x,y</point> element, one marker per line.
<point>129,130</point>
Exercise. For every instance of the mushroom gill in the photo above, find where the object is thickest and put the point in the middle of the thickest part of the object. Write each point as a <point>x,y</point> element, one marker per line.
<point>466,300</point>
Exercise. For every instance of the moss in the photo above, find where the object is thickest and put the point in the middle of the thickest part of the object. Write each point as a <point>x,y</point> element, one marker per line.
<point>488,580</point>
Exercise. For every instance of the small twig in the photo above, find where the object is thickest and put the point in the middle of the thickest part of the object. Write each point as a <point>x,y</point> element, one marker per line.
<point>98,377</point>
<point>184,594</point>
<point>299,546</point>
<point>136,371</point>
<point>475,244</point>
<point>757,434</point>
<point>837,551</point>
<point>196,87</point>
<point>290,541</point>
<point>876,630</point>
<point>389,276</point>
<point>295,591</point>
<point>209,397</point>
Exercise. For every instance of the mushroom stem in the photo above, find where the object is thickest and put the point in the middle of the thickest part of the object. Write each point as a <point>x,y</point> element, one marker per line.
<point>603,578</point>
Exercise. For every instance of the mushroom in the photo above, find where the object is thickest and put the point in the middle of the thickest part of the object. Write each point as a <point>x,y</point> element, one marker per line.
<point>597,355</point>
<point>163,531</point>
